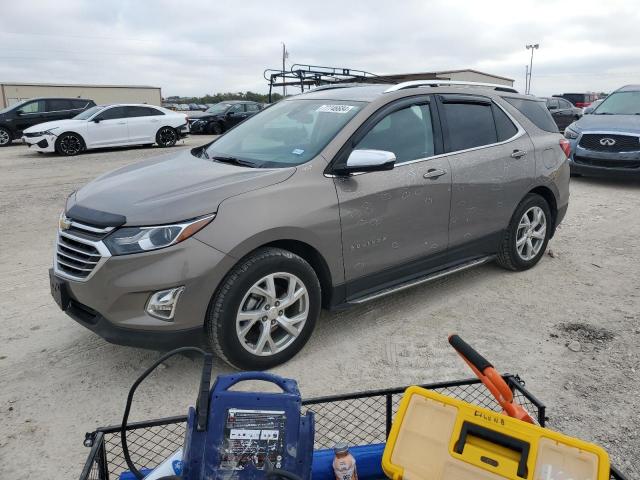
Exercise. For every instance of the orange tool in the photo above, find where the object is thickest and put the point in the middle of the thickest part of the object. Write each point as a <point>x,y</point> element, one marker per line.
<point>491,379</point>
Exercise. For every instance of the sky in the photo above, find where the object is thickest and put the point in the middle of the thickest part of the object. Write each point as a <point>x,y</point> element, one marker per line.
<point>198,47</point>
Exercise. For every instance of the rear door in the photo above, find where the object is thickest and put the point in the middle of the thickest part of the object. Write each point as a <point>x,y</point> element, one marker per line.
<point>144,123</point>
<point>108,128</point>
<point>492,163</point>
<point>58,109</point>
<point>565,114</point>
<point>395,223</point>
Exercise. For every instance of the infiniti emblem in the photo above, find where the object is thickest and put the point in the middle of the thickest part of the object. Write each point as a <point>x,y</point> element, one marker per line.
<point>607,142</point>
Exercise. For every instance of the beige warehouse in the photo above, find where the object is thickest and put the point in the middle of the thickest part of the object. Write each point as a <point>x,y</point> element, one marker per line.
<point>12,93</point>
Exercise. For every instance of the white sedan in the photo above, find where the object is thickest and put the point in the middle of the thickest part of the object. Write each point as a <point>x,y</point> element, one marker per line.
<point>108,126</point>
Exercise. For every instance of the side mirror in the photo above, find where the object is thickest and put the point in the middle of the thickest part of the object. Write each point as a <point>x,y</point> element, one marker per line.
<point>368,161</point>
<point>551,107</point>
<point>230,114</point>
<point>588,110</point>
<point>96,120</point>
<point>19,112</point>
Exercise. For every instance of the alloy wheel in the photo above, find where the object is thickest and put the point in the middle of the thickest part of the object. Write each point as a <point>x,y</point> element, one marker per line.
<point>531,233</point>
<point>5,137</point>
<point>70,145</point>
<point>168,136</point>
<point>272,314</point>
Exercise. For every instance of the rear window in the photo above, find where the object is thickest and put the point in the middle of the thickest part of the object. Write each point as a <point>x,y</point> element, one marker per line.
<point>536,111</point>
<point>469,125</point>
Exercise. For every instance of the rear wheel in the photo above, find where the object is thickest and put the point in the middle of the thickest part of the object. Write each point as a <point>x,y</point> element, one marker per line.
<point>69,144</point>
<point>5,137</point>
<point>166,137</point>
<point>526,238</point>
<point>264,310</point>
<point>214,128</point>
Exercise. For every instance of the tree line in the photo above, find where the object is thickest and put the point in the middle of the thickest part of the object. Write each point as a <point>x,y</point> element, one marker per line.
<point>221,97</point>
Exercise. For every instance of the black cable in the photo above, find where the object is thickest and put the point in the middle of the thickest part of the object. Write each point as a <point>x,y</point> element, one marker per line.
<point>132,390</point>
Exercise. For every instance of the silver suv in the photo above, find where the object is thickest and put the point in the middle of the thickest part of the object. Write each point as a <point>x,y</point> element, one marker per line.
<point>326,199</point>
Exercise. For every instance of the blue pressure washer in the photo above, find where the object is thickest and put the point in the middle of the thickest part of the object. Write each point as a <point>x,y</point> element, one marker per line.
<point>237,434</point>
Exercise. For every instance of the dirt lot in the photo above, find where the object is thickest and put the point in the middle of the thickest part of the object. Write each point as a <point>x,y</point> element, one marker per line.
<point>570,327</point>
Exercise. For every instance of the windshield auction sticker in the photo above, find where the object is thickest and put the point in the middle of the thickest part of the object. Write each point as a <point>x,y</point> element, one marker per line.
<point>335,108</point>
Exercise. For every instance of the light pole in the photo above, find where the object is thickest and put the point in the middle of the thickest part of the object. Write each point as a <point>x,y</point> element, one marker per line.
<point>532,48</point>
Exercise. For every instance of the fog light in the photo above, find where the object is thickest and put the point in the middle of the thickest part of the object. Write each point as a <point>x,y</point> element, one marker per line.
<point>162,304</point>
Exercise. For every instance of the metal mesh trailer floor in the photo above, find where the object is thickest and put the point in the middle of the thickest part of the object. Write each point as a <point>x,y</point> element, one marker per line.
<point>357,418</point>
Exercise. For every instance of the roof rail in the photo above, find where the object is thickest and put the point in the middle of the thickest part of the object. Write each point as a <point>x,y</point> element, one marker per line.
<point>338,85</point>
<point>438,83</point>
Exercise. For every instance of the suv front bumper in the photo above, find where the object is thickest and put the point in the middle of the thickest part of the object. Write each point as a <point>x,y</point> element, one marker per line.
<point>112,302</point>
<point>611,164</point>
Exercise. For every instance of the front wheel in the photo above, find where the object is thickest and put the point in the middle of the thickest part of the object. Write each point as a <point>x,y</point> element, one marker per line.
<point>527,235</point>
<point>264,310</point>
<point>214,128</point>
<point>69,144</point>
<point>166,137</point>
<point>5,137</point>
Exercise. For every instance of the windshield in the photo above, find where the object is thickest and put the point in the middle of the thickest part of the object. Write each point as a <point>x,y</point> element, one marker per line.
<point>287,134</point>
<point>88,113</point>
<point>218,108</point>
<point>11,107</point>
<point>620,103</point>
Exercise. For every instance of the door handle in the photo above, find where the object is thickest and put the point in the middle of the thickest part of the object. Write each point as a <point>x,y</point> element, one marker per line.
<point>122,123</point>
<point>434,173</point>
<point>518,154</point>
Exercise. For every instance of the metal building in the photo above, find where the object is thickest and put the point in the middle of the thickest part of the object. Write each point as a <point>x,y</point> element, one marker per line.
<point>11,93</point>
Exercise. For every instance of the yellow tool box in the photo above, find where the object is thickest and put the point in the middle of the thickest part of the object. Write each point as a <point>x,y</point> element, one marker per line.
<point>435,437</point>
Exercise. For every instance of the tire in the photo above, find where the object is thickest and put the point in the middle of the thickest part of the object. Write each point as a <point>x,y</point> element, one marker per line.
<point>245,288</point>
<point>5,137</point>
<point>533,238</point>
<point>166,137</point>
<point>69,144</point>
<point>214,128</point>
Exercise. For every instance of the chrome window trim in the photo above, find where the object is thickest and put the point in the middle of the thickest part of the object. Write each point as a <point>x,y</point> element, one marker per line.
<point>520,132</point>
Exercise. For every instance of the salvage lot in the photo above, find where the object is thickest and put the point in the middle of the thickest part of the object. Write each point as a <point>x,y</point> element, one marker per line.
<point>570,327</point>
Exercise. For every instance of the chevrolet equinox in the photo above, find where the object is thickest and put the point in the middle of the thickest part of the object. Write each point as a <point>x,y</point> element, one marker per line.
<point>326,199</point>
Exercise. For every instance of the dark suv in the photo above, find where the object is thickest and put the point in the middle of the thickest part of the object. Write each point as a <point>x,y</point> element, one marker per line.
<point>18,117</point>
<point>222,116</point>
<point>563,111</point>
<point>580,100</point>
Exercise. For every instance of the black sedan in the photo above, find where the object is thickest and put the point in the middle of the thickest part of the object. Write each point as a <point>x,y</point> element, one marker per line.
<point>564,113</point>
<point>222,116</point>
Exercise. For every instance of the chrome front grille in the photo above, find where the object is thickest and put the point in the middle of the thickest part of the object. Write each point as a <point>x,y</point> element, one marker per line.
<point>80,251</point>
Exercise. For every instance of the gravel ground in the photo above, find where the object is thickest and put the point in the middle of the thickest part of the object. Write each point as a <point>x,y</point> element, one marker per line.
<point>570,327</point>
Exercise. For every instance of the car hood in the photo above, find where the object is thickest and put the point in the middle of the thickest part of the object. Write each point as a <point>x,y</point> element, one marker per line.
<point>609,123</point>
<point>171,188</point>
<point>202,114</point>
<point>41,127</point>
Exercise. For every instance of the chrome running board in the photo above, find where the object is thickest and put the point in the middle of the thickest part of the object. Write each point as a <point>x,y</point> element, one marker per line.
<point>419,281</point>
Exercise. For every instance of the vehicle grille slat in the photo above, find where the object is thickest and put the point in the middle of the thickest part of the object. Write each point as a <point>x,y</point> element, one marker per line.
<point>77,254</point>
<point>602,142</point>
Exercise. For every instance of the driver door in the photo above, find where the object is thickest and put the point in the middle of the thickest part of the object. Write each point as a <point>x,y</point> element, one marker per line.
<point>235,115</point>
<point>110,129</point>
<point>395,223</point>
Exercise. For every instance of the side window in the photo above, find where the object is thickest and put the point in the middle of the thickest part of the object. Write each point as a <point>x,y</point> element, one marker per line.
<point>553,103</point>
<point>79,104</point>
<point>469,125</point>
<point>33,107</point>
<point>58,104</point>
<point>142,112</point>
<point>237,108</point>
<point>564,104</point>
<point>504,126</point>
<point>407,132</point>
<point>251,107</point>
<point>536,111</point>
<point>113,113</point>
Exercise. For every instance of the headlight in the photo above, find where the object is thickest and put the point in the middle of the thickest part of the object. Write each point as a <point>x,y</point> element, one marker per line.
<point>45,132</point>
<point>570,134</point>
<point>143,239</point>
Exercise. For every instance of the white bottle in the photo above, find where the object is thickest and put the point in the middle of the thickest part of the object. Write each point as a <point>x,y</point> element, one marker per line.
<point>171,466</point>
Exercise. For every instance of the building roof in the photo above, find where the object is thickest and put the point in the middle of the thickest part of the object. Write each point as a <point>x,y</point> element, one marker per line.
<point>35,84</point>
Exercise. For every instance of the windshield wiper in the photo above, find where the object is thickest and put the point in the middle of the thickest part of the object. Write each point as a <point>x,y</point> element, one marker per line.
<point>233,161</point>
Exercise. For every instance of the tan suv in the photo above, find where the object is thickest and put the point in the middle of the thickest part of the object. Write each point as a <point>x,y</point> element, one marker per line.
<point>327,199</point>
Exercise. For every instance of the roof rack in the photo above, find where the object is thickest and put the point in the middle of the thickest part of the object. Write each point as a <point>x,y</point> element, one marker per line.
<point>438,83</point>
<point>331,86</point>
